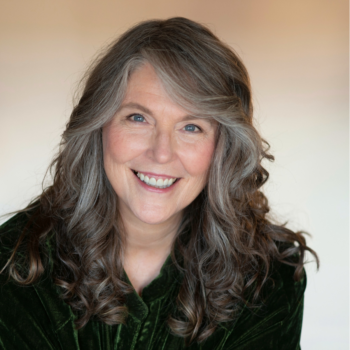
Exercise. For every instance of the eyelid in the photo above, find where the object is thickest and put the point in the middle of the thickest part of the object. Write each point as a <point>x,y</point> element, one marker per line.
<point>191,132</point>
<point>133,114</point>
<point>194,132</point>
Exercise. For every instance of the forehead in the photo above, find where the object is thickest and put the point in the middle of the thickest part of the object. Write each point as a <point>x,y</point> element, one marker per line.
<point>146,92</point>
<point>144,83</point>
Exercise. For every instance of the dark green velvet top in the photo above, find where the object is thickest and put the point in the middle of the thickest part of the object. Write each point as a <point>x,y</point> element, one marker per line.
<point>35,317</point>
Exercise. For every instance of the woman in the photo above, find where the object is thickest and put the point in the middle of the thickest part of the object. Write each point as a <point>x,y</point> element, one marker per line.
<point>154,233</point>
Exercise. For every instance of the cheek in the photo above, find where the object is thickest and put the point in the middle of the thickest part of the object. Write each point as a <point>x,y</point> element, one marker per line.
<point>197,160</point>
<point>120,147</point>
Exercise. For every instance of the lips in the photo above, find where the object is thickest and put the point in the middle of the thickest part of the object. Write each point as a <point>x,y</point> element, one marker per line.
<point>155,176</point>
<point>153,185</point>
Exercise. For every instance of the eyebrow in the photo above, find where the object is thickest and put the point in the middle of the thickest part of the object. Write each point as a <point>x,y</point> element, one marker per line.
<point>148,111</point>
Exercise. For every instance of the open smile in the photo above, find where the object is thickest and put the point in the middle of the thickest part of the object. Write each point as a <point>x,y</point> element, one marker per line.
<point>155,183</point>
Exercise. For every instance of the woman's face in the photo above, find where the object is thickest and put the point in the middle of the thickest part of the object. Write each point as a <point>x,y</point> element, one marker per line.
<point>154,136</point>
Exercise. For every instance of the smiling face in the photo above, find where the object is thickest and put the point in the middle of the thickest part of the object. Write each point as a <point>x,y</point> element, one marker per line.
<point>154,136</point>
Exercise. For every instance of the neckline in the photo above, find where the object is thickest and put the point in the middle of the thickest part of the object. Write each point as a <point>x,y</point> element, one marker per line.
<point>168,278</point>
<point>158,288</point>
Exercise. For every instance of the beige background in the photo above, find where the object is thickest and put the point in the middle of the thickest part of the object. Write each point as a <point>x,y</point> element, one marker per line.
<point>297,55</point>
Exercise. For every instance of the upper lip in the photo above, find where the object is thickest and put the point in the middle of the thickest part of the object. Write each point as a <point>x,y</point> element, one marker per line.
<point>156,176</point>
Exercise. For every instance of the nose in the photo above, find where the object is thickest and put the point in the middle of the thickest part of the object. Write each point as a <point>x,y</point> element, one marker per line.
<point>161,148</point>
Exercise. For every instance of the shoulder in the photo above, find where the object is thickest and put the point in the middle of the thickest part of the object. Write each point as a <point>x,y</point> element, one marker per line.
<point>31,314</point>
<point>24,222</point>
<point>25,229</point>
<point>283,284</point>
<point>10,231</point>
<point>276,322</point>
<point>292,290</point>
<point>281,293</point>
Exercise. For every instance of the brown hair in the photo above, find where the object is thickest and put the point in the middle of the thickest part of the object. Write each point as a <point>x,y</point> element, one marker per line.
<point>232,242</point>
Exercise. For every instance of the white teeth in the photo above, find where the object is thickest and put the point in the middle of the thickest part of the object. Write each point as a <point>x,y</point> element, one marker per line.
<point>155,183</point>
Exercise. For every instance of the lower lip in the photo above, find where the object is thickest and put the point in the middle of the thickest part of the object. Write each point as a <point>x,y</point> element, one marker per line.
<point>155,189</point>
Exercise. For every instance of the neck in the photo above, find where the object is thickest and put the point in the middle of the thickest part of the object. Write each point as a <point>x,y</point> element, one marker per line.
<point>146,246</point>
<point>149,239</point>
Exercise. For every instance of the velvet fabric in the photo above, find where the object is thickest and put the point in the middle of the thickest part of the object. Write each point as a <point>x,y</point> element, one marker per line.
<point>35,317</point>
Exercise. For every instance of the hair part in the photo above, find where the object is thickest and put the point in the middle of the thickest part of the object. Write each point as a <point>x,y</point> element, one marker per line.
<point>232,243</point>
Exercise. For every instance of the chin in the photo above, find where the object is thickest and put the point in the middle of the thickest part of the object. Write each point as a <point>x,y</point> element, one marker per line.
<point>153,217</point>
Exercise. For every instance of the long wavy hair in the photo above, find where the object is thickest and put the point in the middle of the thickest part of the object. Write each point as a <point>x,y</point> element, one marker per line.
<point>232,242</point>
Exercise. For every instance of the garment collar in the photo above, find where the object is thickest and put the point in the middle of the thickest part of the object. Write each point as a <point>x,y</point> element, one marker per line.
<point>168,278</point>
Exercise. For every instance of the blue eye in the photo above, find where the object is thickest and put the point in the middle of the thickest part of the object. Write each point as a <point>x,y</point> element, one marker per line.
<point>137,118</point>
<point>192,128</point>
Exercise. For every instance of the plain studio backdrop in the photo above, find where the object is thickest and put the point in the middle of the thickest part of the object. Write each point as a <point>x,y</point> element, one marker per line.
<point>297,55</point>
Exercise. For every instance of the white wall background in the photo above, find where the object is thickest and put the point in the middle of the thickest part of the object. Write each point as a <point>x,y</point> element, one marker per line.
<point>297,56</point>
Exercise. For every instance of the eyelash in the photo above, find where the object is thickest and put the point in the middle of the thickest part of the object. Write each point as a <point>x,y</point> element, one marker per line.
<point>193,132</point>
